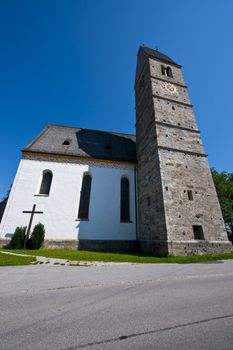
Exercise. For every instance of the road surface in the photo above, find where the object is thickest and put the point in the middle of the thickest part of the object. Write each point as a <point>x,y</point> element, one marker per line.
<point>117,306</point>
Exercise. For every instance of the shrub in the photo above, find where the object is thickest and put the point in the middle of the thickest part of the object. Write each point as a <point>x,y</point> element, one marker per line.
<point>17,241</point>
<point>37,237</point>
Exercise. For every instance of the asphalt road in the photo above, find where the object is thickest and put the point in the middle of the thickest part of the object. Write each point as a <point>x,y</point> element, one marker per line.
<point>118,306</point>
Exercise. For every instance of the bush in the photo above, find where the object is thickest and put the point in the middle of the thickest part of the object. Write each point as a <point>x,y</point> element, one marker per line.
<point>17,241</point>
<point>37,237</point>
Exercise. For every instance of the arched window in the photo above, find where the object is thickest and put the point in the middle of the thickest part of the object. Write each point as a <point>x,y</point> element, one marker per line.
<point>46,182</point>
<point>85,197</point>
<point>169,72</point>
<point>163,70</point>
<point>125,199</point>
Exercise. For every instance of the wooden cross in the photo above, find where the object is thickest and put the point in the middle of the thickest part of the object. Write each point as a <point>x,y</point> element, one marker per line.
<point>32,212</point>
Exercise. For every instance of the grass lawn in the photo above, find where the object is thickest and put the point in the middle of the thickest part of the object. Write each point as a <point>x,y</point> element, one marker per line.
<point>12,260</point>
<point>120,257</point>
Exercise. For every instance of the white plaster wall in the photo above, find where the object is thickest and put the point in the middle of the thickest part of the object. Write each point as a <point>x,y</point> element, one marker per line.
<point>61,206</point>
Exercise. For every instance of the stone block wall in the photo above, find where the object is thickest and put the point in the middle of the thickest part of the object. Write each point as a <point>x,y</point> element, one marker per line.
<point>151,219</point>
<point>176,193</point>
<point>174,114</point>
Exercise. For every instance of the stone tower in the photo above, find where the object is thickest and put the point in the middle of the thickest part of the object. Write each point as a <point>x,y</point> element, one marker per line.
<point>178,208</point>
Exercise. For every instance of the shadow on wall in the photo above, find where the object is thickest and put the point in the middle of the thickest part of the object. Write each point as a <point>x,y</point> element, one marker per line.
<point>101,145</point>
<point>2,207</point>
<point>105,145</point>
<point>92,211</point>
<point>82,230</point>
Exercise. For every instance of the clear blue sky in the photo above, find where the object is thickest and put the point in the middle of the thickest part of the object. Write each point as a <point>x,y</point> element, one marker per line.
<point>73,62</point>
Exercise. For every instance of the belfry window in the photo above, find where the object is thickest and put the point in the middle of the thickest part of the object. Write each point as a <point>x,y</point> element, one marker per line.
<point>83,211</point>
<point>163,70</point>
<point>46,182</point>
<point>169,72</point>
<point>198,232</point>
<point>125,215</point>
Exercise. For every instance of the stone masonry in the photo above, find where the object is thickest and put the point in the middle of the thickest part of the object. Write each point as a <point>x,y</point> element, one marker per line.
<point>178,208</point>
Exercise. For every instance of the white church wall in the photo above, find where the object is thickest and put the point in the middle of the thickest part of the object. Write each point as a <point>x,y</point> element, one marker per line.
<point>60,208</point>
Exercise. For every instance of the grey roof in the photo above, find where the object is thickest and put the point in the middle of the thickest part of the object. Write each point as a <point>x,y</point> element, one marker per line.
<point>85,143</point>
<point>158,55</point>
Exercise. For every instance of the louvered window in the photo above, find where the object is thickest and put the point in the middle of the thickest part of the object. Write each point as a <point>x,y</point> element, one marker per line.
<point>125,215</point>
<point>46,182</point>
<point>83,211</point>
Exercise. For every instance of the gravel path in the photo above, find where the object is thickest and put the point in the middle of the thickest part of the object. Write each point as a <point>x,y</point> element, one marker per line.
<point>64,262</point>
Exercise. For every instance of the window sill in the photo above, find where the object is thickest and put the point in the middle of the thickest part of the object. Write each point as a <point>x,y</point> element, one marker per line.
<point>126,222</point>
<point>82,220</point>
<point>41,195</point>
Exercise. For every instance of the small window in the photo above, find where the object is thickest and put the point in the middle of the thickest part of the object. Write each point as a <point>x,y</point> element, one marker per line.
<point>46,182</point>
<point>190,195</point>
<point>83,211</point>
<point>198,232</point>
<point>125,199</point>
<point>169,72</point>
<point>163,70</point>
<point>108,147</point>
<point>66,142</point>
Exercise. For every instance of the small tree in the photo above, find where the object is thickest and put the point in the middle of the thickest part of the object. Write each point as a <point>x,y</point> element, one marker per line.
<point>37,237</point>
<point>17,241</point>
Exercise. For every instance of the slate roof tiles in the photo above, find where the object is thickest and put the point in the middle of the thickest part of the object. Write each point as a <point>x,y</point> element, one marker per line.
<point>87,143</point>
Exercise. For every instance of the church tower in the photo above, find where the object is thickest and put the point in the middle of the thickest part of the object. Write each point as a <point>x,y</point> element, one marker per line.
<point>178,208</point>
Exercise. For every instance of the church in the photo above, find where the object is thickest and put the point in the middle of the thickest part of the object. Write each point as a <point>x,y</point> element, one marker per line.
<point>101,190</point>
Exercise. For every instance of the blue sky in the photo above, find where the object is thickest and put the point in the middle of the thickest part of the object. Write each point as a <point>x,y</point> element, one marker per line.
<point>73,62</point>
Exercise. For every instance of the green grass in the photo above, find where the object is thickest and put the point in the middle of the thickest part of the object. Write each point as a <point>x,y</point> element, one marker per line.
<point>120,257</point>
<point>12,260</point>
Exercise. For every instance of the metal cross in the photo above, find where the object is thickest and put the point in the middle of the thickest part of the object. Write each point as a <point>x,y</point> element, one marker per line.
<point>32,212</point>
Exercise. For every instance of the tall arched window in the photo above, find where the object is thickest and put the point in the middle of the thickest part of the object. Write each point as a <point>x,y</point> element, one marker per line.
<point>85,197</point>
<point>46,182</point>
<point>125,199</point>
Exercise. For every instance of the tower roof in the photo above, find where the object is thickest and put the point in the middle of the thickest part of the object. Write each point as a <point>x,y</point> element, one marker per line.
<point>158,55</point>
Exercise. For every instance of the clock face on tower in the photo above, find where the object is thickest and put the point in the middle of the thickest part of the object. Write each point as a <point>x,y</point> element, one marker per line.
<point>171,89</point>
